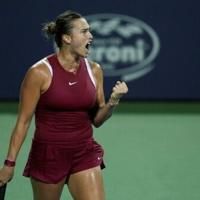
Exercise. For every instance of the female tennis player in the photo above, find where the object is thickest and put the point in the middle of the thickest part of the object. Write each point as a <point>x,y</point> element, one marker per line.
<point>64,91</point>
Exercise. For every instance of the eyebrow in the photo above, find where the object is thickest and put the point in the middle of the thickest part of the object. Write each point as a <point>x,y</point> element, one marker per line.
<point>86,29</point>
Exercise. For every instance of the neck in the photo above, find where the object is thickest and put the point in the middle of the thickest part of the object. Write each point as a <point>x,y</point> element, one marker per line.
<point>68,61</point>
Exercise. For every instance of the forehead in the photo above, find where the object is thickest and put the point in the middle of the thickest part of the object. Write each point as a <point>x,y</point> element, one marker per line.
<point>80,23</point>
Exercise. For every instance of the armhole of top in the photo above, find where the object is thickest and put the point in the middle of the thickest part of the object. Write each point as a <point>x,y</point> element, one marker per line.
<point>90,72</point>
<point>45,61</point>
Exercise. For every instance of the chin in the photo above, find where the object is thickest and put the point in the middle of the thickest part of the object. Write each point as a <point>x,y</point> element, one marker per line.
<point>85,55</point>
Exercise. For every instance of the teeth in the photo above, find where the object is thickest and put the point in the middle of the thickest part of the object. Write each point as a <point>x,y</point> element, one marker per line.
<point>88,44</point>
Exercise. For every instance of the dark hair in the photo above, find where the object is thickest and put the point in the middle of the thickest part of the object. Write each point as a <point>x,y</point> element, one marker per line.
<point>62,25</point>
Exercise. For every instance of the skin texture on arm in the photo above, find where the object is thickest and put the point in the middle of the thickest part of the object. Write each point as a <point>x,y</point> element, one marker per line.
<point>29,95</point>
<point>104,110</point>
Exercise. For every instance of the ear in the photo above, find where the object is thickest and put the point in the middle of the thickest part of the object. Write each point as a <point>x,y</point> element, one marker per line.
<point>66,38</point>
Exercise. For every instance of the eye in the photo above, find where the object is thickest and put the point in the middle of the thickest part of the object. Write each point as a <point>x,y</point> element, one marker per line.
<point>86,30</point>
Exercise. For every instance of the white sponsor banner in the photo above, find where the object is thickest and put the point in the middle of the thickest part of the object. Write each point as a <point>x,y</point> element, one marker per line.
<point>123,45</point>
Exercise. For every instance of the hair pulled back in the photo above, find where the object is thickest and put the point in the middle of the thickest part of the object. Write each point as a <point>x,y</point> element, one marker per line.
<point>62,25</point>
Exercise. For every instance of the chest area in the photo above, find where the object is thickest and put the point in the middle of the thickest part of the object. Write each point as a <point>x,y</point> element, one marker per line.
<point>70,91</point>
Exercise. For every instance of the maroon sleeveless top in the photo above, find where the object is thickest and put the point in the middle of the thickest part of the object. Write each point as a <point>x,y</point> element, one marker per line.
<point>62,113</point>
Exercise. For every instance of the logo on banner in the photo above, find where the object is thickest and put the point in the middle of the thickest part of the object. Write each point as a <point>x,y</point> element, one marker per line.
<point>123,45</point>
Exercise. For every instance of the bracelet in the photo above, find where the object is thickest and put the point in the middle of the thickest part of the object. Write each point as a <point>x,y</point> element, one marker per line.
<point>9,163</point>
<point>113,102</point>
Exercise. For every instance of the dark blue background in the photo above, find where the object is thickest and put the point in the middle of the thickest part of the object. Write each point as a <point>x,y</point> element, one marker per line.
<point>176,75</point>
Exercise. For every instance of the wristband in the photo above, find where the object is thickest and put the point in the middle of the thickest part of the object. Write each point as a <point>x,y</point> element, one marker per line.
<point>9,163</point>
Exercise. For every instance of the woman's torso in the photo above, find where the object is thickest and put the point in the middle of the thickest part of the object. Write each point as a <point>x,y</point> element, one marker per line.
<point>62,113</point>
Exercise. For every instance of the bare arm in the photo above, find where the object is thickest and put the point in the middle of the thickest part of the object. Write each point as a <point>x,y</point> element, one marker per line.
<point>105,110</point>
<point>29,95</point>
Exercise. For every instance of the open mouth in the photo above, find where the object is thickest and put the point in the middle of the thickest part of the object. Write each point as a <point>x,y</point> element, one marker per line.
<point>87,46</point>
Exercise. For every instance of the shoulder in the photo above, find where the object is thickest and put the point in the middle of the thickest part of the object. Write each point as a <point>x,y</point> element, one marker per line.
<point>38,72</point>
<point>96,69</point>
<point>39,68</point>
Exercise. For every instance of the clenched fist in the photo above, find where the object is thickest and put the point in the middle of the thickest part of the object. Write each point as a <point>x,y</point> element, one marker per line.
<point>118,91</point>
<point>6,174</point>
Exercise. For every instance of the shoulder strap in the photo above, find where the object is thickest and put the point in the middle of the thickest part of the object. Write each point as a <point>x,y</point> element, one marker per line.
<point>45,61</point>
<point>90,72</point>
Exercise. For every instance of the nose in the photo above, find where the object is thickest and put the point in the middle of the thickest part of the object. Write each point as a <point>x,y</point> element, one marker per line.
<point>90,35</point>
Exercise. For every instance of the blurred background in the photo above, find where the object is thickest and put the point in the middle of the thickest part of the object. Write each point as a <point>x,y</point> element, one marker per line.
<point>152,142</point>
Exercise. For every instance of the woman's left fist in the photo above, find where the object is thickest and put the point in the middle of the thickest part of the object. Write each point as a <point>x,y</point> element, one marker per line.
<point>119,90</point>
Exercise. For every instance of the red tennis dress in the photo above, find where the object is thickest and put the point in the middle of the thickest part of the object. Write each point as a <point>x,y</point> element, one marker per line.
<point>63,141</point>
